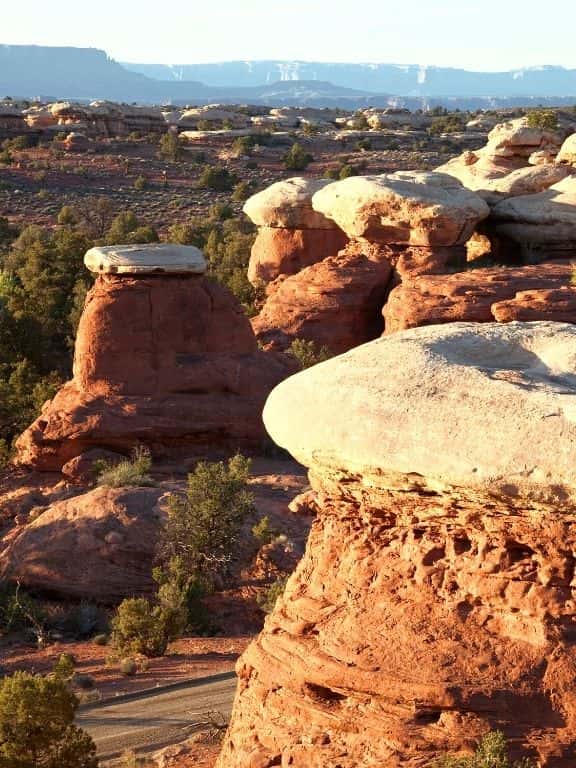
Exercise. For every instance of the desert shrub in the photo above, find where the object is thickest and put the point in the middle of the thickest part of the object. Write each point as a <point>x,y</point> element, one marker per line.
<point>138,627</point>
<point>243,146</point>
<point>132,472</point>
<point>203,525</point>
<point>307,353</point>
<point>37,725</point>
<point>179,597</point>
<point>545,119</point>
<point>100,639</point>
<point>297,159</point>
<point>267,598</point>
<point>140,183</point>
<point>169,147</point>
<point>8,233</point>
<point>242,191</point>
<point>363,145</point>
<point>64,668</point>
<point>220,212</point>
<point>263,532</point>
<point>450,123</point>
<point>217,178</point>
<point>6,157</point>
<point>19,612</point>
<point>492,752</point>
<point>126,229</point>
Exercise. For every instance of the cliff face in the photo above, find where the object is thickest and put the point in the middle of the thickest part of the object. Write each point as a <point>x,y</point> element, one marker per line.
<point>435,600</point>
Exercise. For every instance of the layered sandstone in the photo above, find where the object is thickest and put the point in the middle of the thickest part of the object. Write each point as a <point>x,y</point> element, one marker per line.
<point>435,600</point>
<point>163,357</point>
<point>291,234</point>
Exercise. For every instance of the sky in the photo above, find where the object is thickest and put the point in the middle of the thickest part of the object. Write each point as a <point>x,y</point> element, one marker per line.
<point>483,35</point>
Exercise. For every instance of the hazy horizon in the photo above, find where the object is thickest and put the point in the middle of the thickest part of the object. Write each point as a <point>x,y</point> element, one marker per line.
<point>477,35</point>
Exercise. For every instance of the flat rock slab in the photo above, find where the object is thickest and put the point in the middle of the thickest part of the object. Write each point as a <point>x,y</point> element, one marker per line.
<point>146,259</point>
<point>487,406</point>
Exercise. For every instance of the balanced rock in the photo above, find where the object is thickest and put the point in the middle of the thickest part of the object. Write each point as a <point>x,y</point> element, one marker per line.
<point>408,207</point>
<point>567,152</point>
<point>435,600</point>
<point>167,360</point>
<point>335,303</point>
<point>291,234</point>
<point>97,546</point>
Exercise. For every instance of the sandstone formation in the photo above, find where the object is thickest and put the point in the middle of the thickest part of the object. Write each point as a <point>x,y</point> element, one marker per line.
<point>567,152</point>
<point>435,600</point>
<point>163,357</point>
<point>334,303</point>
<point>479,295</point>
<point>98,546</point>
<point>408,207</point>
<point>517,160</point>
<point>291,234</point>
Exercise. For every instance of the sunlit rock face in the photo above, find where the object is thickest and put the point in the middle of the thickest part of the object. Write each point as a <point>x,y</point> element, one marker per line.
<point>164,357</point>
<point>435,600</point>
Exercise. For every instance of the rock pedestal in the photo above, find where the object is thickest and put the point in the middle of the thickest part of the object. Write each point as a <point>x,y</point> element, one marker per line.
<point>436,597</point>
<point>163,357</point>
<point>291,234</point>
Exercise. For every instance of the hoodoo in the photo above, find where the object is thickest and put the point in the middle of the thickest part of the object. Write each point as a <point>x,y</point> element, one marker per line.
<point>436,598</point>
<point>164,357</point>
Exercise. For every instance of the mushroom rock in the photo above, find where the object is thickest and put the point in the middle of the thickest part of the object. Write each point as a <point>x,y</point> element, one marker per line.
<point>436,598</point>
<point>479,295</point>
<point>543,222</point>
<point>291,234</point>
<point>415,208</point>
<point>335,303</point>
<point>163,357</point>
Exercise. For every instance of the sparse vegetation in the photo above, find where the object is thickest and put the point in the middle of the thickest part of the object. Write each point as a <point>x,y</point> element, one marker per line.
<point>545,119</point>
<point>263,531</point>
<point>307,353</point>
<point>297,159</point>
<point>492,752</point>
<point>132,472</point>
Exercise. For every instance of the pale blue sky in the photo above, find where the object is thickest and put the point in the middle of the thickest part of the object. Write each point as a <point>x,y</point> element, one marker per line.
<point>475,34</point>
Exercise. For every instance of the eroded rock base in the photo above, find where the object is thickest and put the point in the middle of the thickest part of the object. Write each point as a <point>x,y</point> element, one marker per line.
<point>417,620</point>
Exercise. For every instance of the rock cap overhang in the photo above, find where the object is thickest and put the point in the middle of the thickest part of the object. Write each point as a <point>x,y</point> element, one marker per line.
<point>486,406</point>
<point>146,259</point>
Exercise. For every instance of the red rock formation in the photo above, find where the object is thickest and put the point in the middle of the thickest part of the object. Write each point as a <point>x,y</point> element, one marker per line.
<point>436,597</point>
<point>335,303</point>
<point>97,546</point>
<point>482,295</point>
<point>280,251</point>
<point>169,361</point>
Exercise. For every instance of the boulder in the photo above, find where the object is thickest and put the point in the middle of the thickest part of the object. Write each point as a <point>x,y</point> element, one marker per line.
<point>98,546</point>
<point>335,303</point>
<point>543,220</point>
<point>167,360</point>
<point>288,204</point>
<point>472,295</point>
<point>434,602</point>
<point>567,152</point>
<point>408,207</point>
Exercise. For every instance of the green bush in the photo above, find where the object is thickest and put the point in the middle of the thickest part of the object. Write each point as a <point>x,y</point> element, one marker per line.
<point>545,119</point>
<point>139,627</point>
<point>217,178</point>
<point>133,472</point>
<point>307,353</point>
<point>37,725</point>
<point>242,191</point>
<point>268,597</point>
<point>243,146</point>
<point>492,752</point>
<point>297,159</point>
<point>263,532</point>
<point>170,147</point>
<point>203,525</point>
<point>140,183</point>
<point>64,668</point>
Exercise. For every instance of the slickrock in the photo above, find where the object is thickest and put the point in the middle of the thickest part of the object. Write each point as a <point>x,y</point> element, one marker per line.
<point>435,600</point>
<point>408,207</point>
<point>477,295</point>
<point>517,160</point>
<point>335,303</point>
<point>97,546</point>
<point>291,234</point>
<point>542,221</point>
<point>167,360</point>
